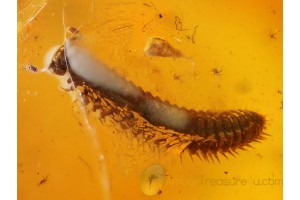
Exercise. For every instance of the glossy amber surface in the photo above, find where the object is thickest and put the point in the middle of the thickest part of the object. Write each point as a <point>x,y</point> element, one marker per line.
<point>231,58</point>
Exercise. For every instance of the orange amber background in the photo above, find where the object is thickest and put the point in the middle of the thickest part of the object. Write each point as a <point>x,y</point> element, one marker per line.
<point>84,159</point>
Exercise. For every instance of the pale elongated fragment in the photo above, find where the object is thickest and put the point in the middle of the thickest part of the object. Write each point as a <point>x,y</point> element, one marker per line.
<point>159,47</point>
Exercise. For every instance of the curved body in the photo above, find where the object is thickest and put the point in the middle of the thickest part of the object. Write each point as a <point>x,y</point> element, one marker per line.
<point>198,132</point>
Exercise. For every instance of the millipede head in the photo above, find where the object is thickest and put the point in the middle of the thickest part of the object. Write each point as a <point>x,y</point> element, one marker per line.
<point>58,63</point>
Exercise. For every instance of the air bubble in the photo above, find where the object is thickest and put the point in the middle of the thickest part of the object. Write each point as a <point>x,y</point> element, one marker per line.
<point>152,180</point>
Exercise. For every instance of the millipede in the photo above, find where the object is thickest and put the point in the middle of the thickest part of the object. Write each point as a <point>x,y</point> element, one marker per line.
<point>206,134</point>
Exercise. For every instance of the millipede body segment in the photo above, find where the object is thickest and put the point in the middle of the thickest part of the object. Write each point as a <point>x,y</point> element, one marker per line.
<point>202,133</point>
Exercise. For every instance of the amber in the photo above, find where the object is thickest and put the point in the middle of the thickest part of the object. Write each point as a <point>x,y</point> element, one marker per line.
<point>232,60</point>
